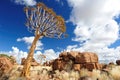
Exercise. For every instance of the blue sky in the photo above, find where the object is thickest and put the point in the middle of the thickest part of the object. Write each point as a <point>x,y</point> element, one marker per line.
<point>12,20</point>
<point>91,27</point>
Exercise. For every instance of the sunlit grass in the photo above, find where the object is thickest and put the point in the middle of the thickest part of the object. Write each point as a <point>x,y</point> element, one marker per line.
<point>46,73</point>
<point>115,73</point>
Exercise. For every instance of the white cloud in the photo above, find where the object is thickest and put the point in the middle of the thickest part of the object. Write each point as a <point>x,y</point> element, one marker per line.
<point>19,54</point>
<point>71,47</point>
<point>25,2</point>
<point>29,40</point>
<point>109,54</point>
<point>105,54</point>
<point>50,54</point>
<point>95,25</point>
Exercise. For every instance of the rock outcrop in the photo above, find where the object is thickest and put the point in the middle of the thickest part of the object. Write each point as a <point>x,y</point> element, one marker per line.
<point>5,65</point>
<point>33,63</point>
<point>76,61</point>
<point>12,59</point>
<point>118,62</point>
<point>58,64</point>
<point>86,57</point>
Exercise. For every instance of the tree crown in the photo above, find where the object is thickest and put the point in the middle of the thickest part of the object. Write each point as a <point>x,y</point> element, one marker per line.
<point>44,20</point>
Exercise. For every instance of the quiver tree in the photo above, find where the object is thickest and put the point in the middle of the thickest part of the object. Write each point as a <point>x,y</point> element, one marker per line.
<point>43,22</point>
<point>41,58</point>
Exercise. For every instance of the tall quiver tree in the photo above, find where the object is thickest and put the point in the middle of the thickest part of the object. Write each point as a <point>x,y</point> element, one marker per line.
<point>43,22</point>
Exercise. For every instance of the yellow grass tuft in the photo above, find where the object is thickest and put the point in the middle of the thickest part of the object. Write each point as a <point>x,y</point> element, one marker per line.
<point>115,73</point>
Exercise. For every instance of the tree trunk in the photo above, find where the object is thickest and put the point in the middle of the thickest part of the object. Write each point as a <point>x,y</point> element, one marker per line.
<point>26,68</point>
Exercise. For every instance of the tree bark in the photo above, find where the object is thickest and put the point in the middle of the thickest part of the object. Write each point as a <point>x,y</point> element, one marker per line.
<point>26,68</point>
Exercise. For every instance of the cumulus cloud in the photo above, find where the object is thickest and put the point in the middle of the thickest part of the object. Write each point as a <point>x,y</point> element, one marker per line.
<point>18,54</point>
<point>50,54</point>
<point>29,40</point>
<point>25,2</point>
<point>71,47</point>
<point>105,54</point>
<point>96,28</point>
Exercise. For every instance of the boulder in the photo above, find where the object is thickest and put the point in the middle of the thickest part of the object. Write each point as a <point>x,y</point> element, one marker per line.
<point>77,67</point>
<point>46,63</point>
<point>90,66</point>
<point>76,60</point>
<point>5,64</point>
<point>23,61</point>
<point>11,58</point>
<point>86,57</point>
<point>33,63</point>
<point>118,62</point>
<point>72,55</point>
<point>64,56</point>
<point>58,64</point>
<point>98,66</point>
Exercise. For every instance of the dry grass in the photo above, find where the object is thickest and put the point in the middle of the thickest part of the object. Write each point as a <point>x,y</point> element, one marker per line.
<point>96,74</point>
<point>46,73</point>
<point>115,73</point>
<point>84,72</point>
<point>38,72</point>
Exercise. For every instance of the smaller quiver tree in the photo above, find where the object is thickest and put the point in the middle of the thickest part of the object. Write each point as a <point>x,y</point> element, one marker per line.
<point>43,22</point>
<point>41,58</point>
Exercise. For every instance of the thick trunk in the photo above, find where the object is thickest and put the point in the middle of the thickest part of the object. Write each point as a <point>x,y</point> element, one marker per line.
<point>26,68</point>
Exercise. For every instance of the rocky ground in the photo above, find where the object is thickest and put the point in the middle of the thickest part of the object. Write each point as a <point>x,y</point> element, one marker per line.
<point>68,66</point>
